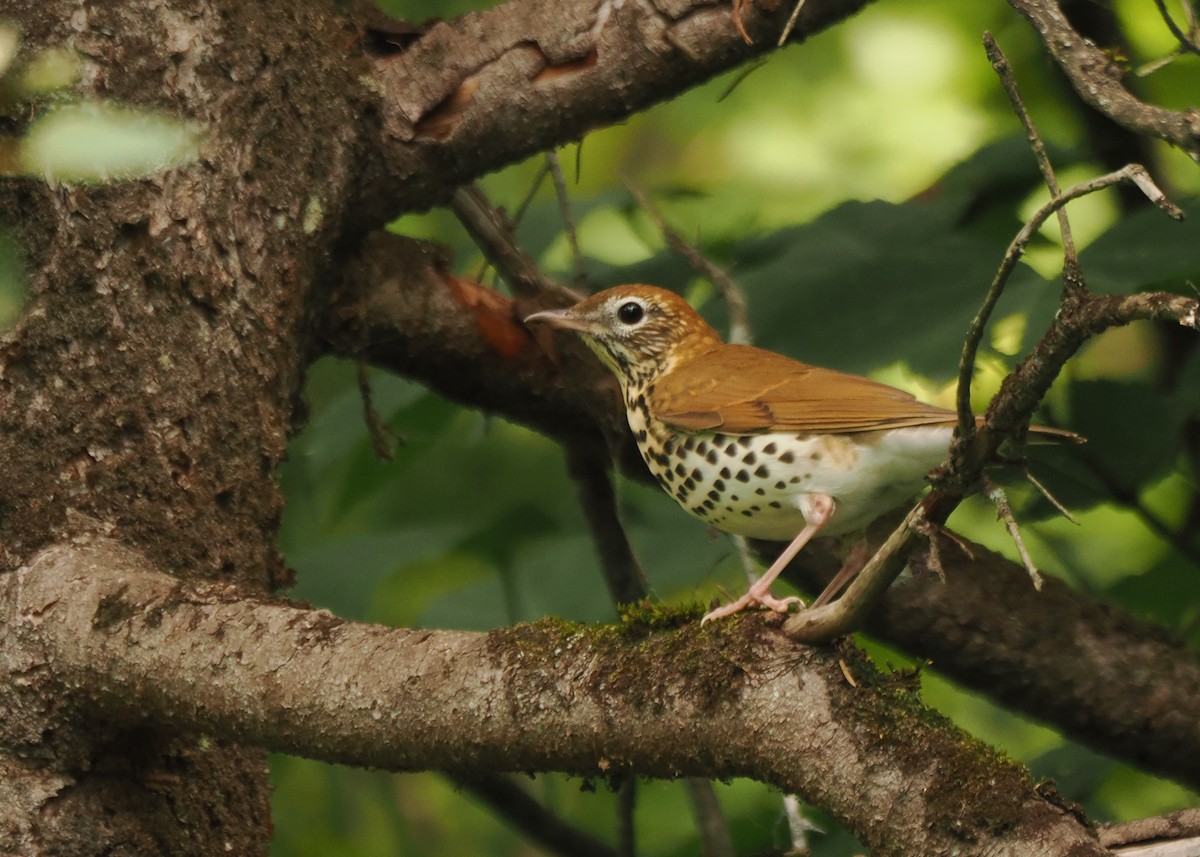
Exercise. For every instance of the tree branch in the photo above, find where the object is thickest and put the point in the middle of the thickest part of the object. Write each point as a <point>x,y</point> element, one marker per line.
<point>127,643</point>
<point>489,88</point>
<point>1097,80</point>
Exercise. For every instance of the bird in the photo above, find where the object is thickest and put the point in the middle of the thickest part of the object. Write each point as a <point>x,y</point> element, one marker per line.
<point>753,442</point>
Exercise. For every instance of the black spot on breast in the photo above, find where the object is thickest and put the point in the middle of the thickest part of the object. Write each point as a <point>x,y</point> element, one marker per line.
<point>641,435</point>
<point>780,485</point>
<point>762,472</point>
<point>714,495</point>
<point>712,457</point>
<point>708,505</point>
<point>761,492</point>
<point>749,459</point>
<point>719,485</point>
<point>770,448</point>
<point>718,439</point>
<point>696,474</point>
<point>702,448</point>
<point>747,513</point>
<point>680,470</point>
<point>731,450</point>
<point>794,480</point>
<point>816,456</point>
<point>745,440</point>
<point>689,485</point>
<point>788,457</point>
<point>742,476</point>
<point>775,504</point>
<point>725,474</point>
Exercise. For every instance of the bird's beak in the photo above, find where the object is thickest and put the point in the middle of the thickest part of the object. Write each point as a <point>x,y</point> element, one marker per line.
<point>563,319</point>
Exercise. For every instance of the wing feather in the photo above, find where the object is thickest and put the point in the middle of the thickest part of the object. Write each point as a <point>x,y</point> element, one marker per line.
<point>742,389</point>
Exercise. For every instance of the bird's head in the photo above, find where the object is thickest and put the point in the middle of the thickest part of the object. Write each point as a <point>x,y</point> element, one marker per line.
<point>639,332</point>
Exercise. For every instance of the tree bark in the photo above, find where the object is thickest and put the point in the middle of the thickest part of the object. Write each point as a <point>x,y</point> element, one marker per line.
<point>125,643</point>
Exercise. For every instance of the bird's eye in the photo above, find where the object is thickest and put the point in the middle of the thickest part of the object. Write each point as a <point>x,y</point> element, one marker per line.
<point>631,313</point>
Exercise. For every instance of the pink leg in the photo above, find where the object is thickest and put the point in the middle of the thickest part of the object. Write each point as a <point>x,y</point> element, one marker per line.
<point>854,564</point>
<point>819,509</point>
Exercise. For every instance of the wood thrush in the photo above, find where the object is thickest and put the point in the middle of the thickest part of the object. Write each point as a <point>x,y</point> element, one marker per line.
<point>752,442</point>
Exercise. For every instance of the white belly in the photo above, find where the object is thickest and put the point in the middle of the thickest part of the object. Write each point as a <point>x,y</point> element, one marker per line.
<point>758,485</point>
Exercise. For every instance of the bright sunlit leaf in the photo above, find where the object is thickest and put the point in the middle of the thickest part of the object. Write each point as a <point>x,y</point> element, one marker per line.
<point>10,40</point>
<point>50,70</point>
<point>96,142</point>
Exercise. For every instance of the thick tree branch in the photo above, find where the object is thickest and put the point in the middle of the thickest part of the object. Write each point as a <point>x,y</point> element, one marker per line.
<point>492,87</point>
<point>127,643</point>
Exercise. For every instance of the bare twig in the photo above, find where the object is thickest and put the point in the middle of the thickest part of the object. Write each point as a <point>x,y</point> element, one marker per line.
<point>715,839</point>
<point>1133,173</point>
<point>739,324</point>
<point>564,209</point>
<point>1174,826</point>
<point>791,22</point>
<point>1050,498</point>
<point>593,481</point>
<point>381,433</point>
<point>1009,82</point>
<point>519,214</point>
<point>845,614</point>
<point>493,233</point>
<point>626,804</point>
<point>1186,40</point>
<point>511,802</point>
<point>1004,512</point>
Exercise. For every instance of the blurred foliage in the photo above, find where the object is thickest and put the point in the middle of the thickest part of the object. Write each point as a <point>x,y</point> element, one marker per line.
<point>862,189</point>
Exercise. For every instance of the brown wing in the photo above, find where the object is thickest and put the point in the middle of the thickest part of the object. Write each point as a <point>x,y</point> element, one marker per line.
<point>741,389</point>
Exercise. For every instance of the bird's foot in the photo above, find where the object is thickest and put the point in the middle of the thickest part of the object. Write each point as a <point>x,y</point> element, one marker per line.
<point>766,599</point>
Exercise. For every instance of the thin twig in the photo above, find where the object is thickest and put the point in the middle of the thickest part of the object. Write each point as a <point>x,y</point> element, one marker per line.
<point>626,804</point>
<point>493,234</point>
<point>715,838</point>
<point>593,482</point>
<point>1045,492</point>
<point>791,22</point>
<point>1133,173</point>
<point>519,214</point>
<point>511,802</point>
<point>1005,513</point>
<point>1186,40</point>
<point>1009,82</point>
<point>739,324</point>
<point>568,220</point>
<point>382,436</point>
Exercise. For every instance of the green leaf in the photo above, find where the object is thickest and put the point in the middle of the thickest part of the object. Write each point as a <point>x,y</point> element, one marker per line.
<point>99,141</point>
